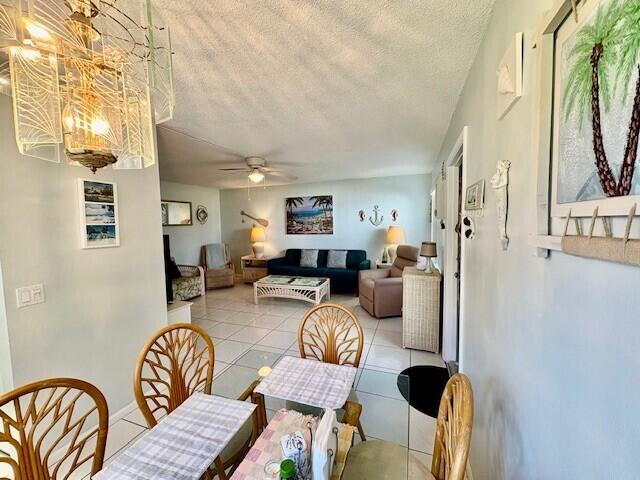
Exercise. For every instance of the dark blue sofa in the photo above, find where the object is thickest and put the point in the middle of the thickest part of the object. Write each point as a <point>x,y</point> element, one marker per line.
<point>343,280</point>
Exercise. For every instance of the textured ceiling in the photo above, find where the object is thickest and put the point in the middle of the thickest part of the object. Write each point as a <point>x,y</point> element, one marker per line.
<point>329,89</point>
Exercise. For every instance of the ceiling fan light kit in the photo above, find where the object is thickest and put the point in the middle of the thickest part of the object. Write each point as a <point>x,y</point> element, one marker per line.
<point>256,176</point>
<point>257,171</point>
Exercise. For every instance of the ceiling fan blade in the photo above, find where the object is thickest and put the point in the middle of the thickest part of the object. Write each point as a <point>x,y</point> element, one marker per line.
<point>246,170</point>
<point>284,176</point>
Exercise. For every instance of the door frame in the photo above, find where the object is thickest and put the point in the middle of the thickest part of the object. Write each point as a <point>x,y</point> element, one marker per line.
<point>452,339</point>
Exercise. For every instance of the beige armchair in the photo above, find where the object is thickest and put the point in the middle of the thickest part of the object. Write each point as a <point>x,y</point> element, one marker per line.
<point>381,290</point>
<point>221,276</point>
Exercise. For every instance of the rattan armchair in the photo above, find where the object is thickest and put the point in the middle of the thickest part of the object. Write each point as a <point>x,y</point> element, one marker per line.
<point>177,362</point>
<point>52,428</point>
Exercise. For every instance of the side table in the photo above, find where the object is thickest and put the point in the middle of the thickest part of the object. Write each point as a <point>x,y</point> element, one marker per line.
<point>421,309</point>
<point>253,268</point>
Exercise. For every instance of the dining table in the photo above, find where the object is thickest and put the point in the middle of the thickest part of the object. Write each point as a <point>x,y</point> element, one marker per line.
<point>184,444</point>
<point>292,384</point>
<point>310,382</point>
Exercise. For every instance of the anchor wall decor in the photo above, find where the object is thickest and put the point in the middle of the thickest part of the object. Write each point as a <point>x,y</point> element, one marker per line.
<point>376,219</point>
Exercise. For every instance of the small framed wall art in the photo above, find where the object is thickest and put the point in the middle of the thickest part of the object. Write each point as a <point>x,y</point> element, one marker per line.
<point>474,198</point>
<point>98,214</point>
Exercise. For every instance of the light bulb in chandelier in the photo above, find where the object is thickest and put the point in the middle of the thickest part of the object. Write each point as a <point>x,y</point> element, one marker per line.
<point>99,126</point>
<point>37,32</point>
<point>256,176</point>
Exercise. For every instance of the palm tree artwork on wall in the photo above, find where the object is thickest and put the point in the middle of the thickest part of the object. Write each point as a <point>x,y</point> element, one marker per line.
<point>603,84</point>
<point>310,215</point>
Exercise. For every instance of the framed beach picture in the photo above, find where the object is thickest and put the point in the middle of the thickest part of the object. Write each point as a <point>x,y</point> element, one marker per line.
<point>98,214</point>
<point>474,198</point>
<point>596,110</point>
<point>310,215</point>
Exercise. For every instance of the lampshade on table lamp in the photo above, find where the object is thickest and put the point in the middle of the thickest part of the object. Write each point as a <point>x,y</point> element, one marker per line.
<point>429,251</point>
<point>257,237</point>
<point>395,236</point>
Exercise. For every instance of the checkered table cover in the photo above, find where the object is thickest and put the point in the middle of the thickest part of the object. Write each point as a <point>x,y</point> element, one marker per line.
<point>184,444</point>
<point>310,382</point>
<point>268,448</point>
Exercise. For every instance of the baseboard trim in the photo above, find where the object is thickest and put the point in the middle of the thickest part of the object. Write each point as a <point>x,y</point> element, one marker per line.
<point>123,412</point>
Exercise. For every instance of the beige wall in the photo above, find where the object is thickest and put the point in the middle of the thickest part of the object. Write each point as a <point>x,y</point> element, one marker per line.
<point>101,305</point>
<point>187,240</point>
<point>550,345</point>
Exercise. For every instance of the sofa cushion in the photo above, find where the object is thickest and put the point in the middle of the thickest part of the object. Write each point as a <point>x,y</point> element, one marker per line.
<point>355,258</point>
<point>337,259</point>
<point>322,258</point>
<point>294,271</point>
<point>293,256</point>
<point>309,258</point>
<point>367,286</point>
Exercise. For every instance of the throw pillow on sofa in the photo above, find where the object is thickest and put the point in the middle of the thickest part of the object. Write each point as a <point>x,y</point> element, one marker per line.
<point>337,259</point>
<point>309,258</point>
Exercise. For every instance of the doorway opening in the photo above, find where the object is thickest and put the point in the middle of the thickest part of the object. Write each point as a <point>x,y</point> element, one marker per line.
<point>453,265</point>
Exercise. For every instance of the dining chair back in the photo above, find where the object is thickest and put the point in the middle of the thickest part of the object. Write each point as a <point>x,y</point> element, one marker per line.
<point>331,333</point>
<point>176,362</point>
<point>51,428</point>
<point>453,430</point>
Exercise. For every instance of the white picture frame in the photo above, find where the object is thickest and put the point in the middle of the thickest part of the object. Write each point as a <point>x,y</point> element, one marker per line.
<point>509,76</point>
<point>98,214</point>
<point>474,196</point>
<point>607,206</point>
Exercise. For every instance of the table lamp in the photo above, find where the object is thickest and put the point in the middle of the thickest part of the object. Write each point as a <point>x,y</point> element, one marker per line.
<point>429,251</point>
<point>257,237</point>
<point>395,236</point>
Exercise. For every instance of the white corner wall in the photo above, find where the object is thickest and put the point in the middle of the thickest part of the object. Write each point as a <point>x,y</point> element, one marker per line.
<point>101,305</point>
<point>551,345</point>
<point>186,240</point>
<point>410,195</point>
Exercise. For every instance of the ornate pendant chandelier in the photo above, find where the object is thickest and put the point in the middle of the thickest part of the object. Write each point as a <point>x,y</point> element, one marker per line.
<point>84,75</point>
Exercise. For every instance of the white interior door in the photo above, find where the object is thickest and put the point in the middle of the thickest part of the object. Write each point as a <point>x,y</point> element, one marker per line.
<point>451,267</point>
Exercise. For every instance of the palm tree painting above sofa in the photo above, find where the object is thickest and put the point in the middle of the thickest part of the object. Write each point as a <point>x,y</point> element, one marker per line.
<point>310,215</point>
<point>597,110</point>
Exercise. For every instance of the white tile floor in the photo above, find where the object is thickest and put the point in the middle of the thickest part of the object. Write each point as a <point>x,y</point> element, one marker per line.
<point>240,330</point>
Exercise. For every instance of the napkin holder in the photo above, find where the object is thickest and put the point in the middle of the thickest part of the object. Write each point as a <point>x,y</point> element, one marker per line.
<point>324,447</point>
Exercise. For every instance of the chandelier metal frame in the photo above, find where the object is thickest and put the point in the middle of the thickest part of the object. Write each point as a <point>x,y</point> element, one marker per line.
<point>89,79</point>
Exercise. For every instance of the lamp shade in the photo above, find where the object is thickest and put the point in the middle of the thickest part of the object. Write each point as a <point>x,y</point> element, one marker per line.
<point>258,235</point>
<point>395,235</point>
<point>428,249</point>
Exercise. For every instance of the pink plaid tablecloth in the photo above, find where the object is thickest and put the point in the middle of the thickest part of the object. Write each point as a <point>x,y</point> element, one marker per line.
<point>267,446</point>
<point>310,382</point>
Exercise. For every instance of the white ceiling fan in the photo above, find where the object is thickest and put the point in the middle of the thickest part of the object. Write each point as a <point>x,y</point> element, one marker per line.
<point>256,170</point>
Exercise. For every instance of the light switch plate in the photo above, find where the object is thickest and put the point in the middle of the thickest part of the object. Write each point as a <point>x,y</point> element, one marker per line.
<point>31,295</point>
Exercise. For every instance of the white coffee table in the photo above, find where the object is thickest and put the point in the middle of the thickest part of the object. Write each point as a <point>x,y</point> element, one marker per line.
<point>307,289</point>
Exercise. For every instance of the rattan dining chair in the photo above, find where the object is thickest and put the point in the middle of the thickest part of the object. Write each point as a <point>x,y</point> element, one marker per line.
<point>53,428</point>
<point>174,364</point>
<point>378,460</point>
<point>331,333</point>
<point>453,430</point>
